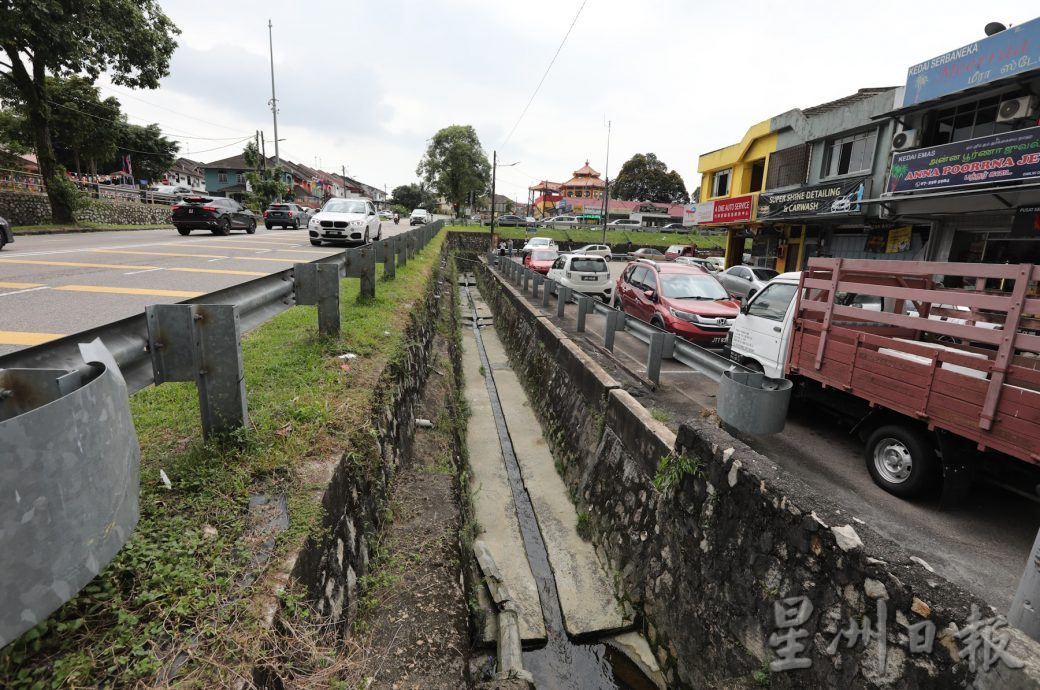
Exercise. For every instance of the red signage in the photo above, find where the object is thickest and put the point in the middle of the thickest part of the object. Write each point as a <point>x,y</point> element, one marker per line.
<point>735,210</point>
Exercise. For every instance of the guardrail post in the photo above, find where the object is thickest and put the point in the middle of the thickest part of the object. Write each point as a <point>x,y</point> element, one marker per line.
<point>385,255</point>
<point>584,307</point>
<point>361,263</point>
<point>527,279</point>
<point>319,284</point>
<point>411,241</point>
<point>668,349</point>
<point>202,343</point>
<point>1025,609</point>
<point>538,280</point>
<point>653,356</point>
<point>563,294</point>
<point>401,246</point>
<point>550,285</point>
<point>615,321</point>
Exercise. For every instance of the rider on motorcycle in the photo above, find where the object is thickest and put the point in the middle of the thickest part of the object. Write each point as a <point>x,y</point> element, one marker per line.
<point>397,217</point>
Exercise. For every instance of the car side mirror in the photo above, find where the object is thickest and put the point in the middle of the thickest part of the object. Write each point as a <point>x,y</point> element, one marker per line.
<point>744,307</point>
<point>650,295</point>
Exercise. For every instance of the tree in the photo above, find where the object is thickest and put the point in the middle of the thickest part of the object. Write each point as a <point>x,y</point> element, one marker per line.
<point>645,178</point>
<point>267,184</point>
<point>84,128</point>
<point>455,165</point>
<point>412,196</point>
<point>131,39</point>
<point>151,154</point>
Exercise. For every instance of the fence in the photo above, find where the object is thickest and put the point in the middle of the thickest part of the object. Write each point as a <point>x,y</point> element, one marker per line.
<point>68,452</point>
<point>20,181</point>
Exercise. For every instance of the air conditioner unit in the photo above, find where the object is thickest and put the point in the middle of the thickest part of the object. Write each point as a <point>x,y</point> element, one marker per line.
<point>906,139</point>
<point>1016,109</point>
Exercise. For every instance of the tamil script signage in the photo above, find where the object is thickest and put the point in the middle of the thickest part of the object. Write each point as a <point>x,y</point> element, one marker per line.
<point>841,197</point>
<point>1010,52</point>
<point>996,158</point>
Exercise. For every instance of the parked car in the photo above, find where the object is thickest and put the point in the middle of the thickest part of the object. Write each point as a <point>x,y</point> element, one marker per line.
<point>625,224</point>
<point>595,249</point>
<point>385,215</point>
<point>675,227</point>
<point>647,253</point>
<point>174,189</point>
<point>744,281</point>
<point>351,221</point>
<point>6,235</point>
<point>559,222</point>
<point>539,243</point>
<point>541,260</point>
<point>707,264</point>
<point>420,216</point>
<point>584,273</point>
<point>510,221</point>
<point>684,300</point>
<point>677,250</point>
<point>285,215</point>
<point>216,214</point>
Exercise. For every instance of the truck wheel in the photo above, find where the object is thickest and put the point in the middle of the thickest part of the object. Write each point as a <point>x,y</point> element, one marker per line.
<point>901,460</point>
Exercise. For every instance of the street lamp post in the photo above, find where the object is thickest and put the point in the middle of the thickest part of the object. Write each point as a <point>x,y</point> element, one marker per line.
<point>606,186</point>
<point>494,170</point>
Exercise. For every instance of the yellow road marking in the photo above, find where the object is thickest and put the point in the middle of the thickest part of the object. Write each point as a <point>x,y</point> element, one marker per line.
<point>121,251</point>
<point>288,251</point>
<point>213,270</point>
<point>129,291</point>
<point>23,338</point>
<point>73,264</point>
<point>19,286</point>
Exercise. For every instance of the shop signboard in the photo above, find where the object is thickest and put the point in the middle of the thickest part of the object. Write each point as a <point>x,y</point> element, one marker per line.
<point>739,209</point>
<point>841,197</point>
<point>899,239</point>
<point>996,158</point>
<point>1010,52</point>
<point>1026,222</point>
<point>699,214</point>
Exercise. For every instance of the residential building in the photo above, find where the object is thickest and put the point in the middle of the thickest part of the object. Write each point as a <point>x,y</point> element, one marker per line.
<point>227,177</point>
<point>188,173</point>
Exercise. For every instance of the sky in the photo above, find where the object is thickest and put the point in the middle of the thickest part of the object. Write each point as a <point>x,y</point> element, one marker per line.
<point>364,85</point>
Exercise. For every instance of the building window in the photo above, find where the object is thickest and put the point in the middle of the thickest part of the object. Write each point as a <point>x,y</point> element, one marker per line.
<point>240,178</point>
<point>570,193</point>
<point>788,166</point>
<point>758,175</point>
<point>851,154</point>
<point>720,182</point>
<point>969,120</point>
<point>222,177</point>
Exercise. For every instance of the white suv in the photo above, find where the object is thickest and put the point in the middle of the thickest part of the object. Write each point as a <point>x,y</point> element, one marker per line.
<point>583,273</point>
<point>420,216</point>
<point>348,221</point>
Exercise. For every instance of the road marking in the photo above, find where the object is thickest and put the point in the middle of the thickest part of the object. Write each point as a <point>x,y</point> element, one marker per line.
<point>213,270</point>
<point>261,258</point>
<point>18,285</point>
<point>73,264</point>
<point>124,251</point>
<point>147,270</point>
<point>18,292</point>
<point>25,338</point>
<point>220,259</point>
<point>128,291</point>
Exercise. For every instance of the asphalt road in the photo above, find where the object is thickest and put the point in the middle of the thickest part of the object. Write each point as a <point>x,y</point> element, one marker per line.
<point>982,544</point>
<point>59,284</point>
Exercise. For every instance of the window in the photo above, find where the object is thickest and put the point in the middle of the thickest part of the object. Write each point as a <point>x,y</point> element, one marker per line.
<point>788,166</point>
<point>720,182</point>
<point>639,279</point>
<point>758,175</point>
<point>588,265</point>
<point>851,154</point>
<point>240,178</point>
<point>222,177</point>
<point>772,303</point>
<point>969,120</point>
<point>685,286</point>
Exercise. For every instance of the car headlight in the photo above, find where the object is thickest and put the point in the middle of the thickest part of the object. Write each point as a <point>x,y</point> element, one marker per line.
<point>687,316</point>
<point>313,222</point>
<point>357,223</point>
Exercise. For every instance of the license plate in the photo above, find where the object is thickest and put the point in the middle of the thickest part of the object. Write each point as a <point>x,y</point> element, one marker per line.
<point>191,211</point>
<point>719,340</point>
<point>334,232</point>
<point>588,277</point>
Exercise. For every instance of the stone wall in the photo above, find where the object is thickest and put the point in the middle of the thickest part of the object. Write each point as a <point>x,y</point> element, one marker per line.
<point>24,208</point>
<point>706,560</point>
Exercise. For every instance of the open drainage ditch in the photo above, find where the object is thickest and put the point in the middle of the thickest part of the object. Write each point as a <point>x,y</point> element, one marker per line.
<point>561,662</point>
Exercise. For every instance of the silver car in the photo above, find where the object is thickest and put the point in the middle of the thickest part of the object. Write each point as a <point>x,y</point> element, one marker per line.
<point>744,281</point>
<point>595,250</point>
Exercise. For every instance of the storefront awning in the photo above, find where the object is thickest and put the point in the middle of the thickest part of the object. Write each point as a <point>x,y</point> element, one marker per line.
<point>960,201</point>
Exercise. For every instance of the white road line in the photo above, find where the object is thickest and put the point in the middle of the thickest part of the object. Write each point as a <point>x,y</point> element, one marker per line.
<point>263,251</point>
<point>18,292</point>
<point>223,258</point>
<point>147,270</point>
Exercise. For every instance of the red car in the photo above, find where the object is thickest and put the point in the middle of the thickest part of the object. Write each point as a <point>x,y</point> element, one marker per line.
<point>685,300</point>
<point>676,250</point>
<point>540,260</point>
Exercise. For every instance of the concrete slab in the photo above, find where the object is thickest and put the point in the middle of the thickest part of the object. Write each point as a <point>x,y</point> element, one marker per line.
<point>635,647</point>
<point>492,497</point>
<point>585,589</point>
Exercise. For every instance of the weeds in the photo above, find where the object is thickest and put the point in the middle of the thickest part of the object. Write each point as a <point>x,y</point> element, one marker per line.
<point>584,526</point>
<point>671,469</point>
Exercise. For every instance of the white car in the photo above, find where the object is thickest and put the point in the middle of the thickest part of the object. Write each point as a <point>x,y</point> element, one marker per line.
<point>559,222</point>
<point>623,223</point>
<point>539,243</point>
<point>588,275</point>
<point>595,250</point>
<point>707,264</point>
<point>174,189</point>
<point>348,221</point>
<point>420,216</point>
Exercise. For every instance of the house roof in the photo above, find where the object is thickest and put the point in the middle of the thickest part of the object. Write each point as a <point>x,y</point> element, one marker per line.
<point>584,176</point>
<point>546,186</point>
<point>861,95</point>
<point>233,163</point>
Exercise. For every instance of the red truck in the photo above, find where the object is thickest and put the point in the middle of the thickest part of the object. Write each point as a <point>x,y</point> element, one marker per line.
<point>939,381</point>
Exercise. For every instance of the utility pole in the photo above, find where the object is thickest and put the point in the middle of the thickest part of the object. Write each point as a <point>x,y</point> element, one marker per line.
<point>606,186</point>
<point>494,172</point>
<point>274,100</point>
<point>263,150</point>
<point>343,168</point>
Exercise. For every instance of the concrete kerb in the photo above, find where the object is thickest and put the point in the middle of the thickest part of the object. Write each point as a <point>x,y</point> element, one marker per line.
<point>645,438</point>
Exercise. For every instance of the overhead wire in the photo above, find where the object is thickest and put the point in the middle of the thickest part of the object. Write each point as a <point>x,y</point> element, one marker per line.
<point>126,93</point>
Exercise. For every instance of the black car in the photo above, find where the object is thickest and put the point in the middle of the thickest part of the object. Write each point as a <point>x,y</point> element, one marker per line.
<point>5,232</point>
<point>285,215</point>
<point>216,214</point>
<point>508,221</point>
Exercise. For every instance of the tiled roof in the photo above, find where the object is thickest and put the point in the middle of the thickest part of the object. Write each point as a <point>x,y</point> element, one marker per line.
<point>233,163</point>
<point>861,95</point>
<point>586,170</point>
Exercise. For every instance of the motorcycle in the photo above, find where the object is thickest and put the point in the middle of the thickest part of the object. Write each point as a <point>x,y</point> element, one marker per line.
<point>397,218</point>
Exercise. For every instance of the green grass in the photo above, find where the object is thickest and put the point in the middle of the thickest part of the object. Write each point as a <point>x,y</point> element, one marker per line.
<point>42,229</point>
<point>593,236</point>
<point>171,588</point>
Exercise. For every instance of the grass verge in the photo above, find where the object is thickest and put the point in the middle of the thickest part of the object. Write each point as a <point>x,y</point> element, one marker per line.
<point>177,587</point>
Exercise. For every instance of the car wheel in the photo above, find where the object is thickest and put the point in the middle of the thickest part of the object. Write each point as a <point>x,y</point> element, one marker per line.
<point>184,231</point>
<point>616,303</point>
<point>367,240</point>
<point>3,240</point>
<point>251,228</point>
<point>225,227</point>
<point>656,322</point>
<point>379,232</point>
<point>267,225</point>
<point>296,224</point>
<point>901,460</point>
<point>316,243</point>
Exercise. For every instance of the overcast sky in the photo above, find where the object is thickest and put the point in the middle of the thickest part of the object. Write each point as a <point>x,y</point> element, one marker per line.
<point>365,84</point>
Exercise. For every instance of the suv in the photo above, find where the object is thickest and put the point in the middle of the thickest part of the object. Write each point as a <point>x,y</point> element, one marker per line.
<point>352,221</point>
<point>216,214</point>
<point>539,243</point>
<point>587,274</point>
<point>684,300</point>
<point>5,232</point>
<point>285,215</point>
<point>420,216</point>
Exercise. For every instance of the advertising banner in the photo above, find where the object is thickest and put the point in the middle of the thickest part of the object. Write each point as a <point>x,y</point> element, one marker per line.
<point>996,158</point>
<point>899,240</point>
<point>1010,52</point>
<point>699,214</point>
<point>840,197</point>
<point>736,210</point>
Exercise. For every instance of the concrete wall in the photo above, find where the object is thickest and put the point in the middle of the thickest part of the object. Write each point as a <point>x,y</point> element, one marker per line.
<point>23,208</point>
<point>705,561</point>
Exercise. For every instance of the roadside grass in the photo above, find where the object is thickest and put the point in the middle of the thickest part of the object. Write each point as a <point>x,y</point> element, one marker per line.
<point>80,227</point>
<point>592,236</point>
<point>177,586</point>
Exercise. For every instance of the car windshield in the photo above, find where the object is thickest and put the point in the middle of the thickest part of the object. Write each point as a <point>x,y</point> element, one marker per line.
<point>544,256</point>
<point>685,286</point>
<point>344,206</point>
<point>675,248</point>
<point>589,265</point>
<point>280,206</point>
<point>764,273</point>
<point>647,252</point>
